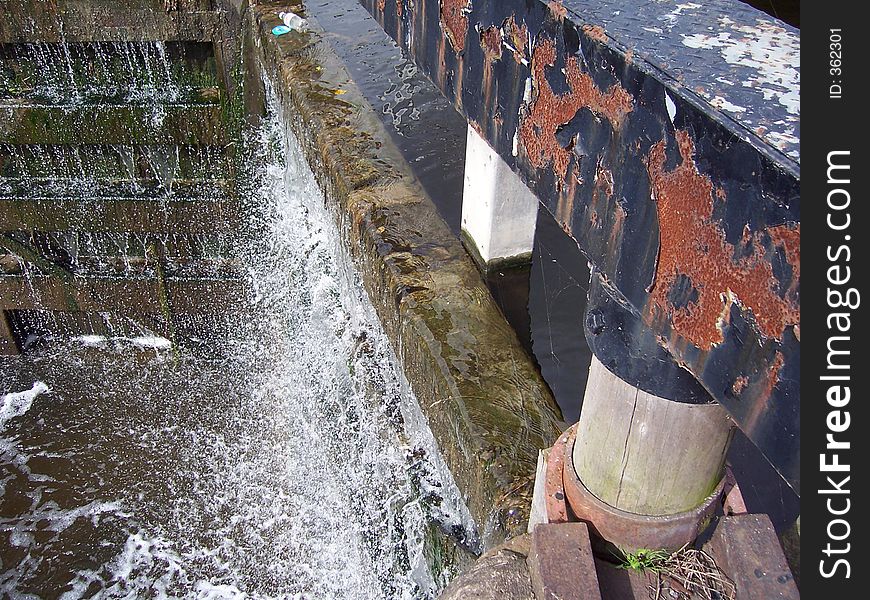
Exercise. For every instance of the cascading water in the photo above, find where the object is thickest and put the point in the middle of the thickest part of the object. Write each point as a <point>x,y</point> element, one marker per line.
<point>295,465</point>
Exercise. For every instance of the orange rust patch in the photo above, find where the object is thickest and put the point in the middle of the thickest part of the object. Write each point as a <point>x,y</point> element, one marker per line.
<point>790,240</point>
<point>773,375</point>
<point>399,8</point>
<point>691,244</point>
<point>490,41</point>
<point>519,38</point>
<point>603,185</point>
<point>549,111</point>
<point>596,32</point>
<point>382,4</point>
<point>455,22</point>
<point>739,385</point>
<point>557,9</point>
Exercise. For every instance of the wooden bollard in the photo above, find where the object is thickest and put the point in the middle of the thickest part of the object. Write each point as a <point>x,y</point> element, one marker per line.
<point>645,454</point>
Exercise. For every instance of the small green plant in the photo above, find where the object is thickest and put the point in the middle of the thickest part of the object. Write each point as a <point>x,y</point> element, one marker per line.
<point>644,560</point>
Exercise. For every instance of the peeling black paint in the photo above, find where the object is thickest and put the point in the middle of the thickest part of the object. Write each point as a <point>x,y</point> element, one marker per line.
<point>605,200</point>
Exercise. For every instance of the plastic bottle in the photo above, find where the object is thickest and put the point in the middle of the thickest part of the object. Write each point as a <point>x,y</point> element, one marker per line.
<point>293,21</point>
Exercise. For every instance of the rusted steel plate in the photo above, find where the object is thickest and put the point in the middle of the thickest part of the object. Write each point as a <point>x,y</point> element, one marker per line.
<point>561,565</point>
<point>664,138</point>
<point>630,531</point>
<point>554,490</point>
<point>747,549</point>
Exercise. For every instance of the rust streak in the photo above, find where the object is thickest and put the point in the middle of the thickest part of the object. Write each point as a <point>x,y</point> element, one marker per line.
<point>773,375</point>
<point>565,202</point>
<point>557,9</point>
<point>764,386</point>
<point>490,41</point>
<point>455,22</point>
<point>596,32</point>
<point>519,38</point>
<point>694,246</point>
<point>399,8</point>
<point>739,385</point>
<point>549,111</point>
<point>790,241</point>
<point>603,184</point>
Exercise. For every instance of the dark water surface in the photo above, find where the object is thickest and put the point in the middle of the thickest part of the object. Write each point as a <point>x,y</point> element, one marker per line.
<point>292,463</point>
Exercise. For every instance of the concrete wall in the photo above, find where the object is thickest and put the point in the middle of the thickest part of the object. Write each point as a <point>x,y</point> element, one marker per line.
<point>486,403</point>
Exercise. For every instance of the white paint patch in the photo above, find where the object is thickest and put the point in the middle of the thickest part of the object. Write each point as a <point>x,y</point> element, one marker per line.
<point>672,108</point>
<point>527,91</point>
<point>15,404</point>
<point>722,104</point>
<point>670,19</point>
<point>785,141</point>
<point>654,29</point>
<point>771,51</point>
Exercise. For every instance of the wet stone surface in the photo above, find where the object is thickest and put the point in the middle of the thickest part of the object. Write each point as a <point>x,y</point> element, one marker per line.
<point>477,386</point>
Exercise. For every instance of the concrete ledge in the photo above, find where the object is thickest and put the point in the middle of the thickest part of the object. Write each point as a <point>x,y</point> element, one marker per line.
<point>486,404</point>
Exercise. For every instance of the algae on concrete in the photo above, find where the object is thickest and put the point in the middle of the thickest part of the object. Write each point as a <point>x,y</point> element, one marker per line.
<point>486,404</point>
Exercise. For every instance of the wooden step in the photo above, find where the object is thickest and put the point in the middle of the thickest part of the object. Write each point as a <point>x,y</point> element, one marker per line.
<point>175,215</point>
<point>189,124</point>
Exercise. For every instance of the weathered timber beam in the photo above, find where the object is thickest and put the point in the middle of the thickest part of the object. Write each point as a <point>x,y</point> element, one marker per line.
<point>115,294</point>
<point>194,124</point>
<point>120,20</point>
<point>30,255</point>
<point>121,214</point>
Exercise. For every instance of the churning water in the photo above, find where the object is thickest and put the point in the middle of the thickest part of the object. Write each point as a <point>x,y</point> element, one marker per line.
<point>296,465</point>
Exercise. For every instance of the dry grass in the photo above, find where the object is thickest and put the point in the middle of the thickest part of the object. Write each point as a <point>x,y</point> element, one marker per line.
<point>690,574</point>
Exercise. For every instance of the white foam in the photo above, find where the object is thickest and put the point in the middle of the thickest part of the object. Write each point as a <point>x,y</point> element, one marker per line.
<point>15,404</point>
<point>304,482</point>
<point>146,341</point>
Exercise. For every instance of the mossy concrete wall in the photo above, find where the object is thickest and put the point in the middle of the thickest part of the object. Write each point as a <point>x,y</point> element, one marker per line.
<point>109,20</point>
<point>485,401</point>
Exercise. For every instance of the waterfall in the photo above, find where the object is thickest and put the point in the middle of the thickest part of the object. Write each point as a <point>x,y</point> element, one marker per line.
<point>292,462</point>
